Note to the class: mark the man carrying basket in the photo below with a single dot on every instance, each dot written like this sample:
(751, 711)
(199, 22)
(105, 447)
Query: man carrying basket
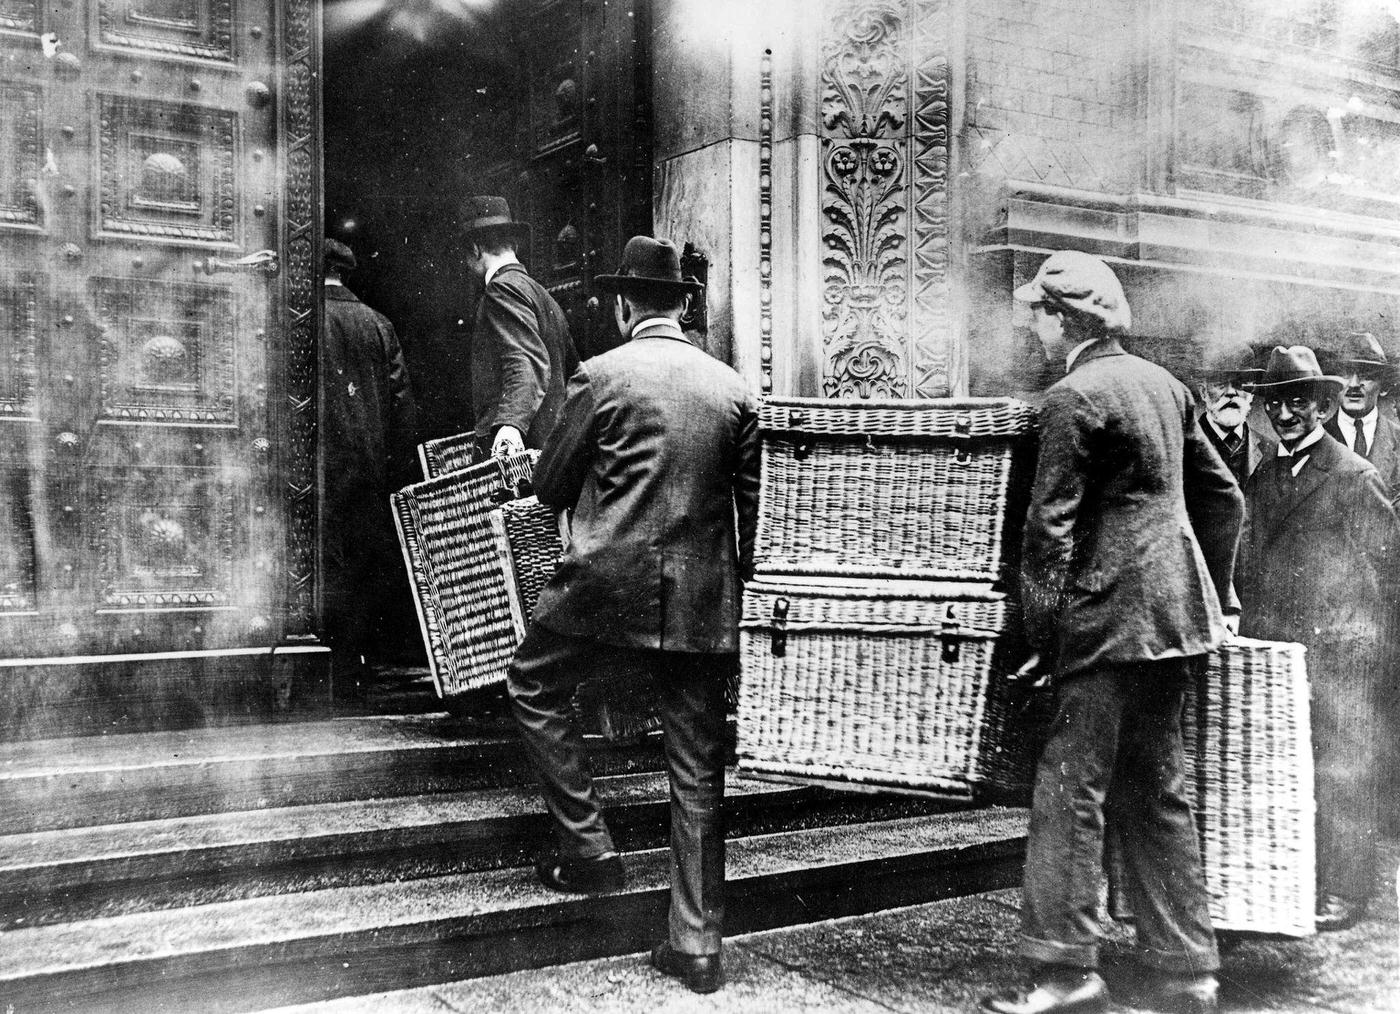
(1129, 545)
(656, 453)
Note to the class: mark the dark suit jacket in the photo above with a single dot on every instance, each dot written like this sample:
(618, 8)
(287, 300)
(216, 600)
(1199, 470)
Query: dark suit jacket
(1384, 452)
(1255, 449)
(1131, 534)
(522, 356)
(657, 454)
(1317, 558)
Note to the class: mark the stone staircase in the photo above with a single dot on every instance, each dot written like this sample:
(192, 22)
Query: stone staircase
(242, 868)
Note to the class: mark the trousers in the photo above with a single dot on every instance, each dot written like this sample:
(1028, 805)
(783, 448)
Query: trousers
(548, 667)
(1114, 759)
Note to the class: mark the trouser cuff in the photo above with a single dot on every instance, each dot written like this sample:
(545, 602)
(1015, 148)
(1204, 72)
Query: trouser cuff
(1180, 962)
(1052, 952)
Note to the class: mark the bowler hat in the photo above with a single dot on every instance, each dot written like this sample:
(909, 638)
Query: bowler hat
(649, 265)
(1295, 366)
(488, 215)
(1082, 284)
(1225, 359)
(1360, 349)
(336, 254)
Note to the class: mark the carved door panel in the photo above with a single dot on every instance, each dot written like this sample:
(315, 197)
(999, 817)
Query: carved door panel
(157, 249)
(582, 176)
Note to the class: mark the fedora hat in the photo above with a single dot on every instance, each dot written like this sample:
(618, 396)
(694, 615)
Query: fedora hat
(1082, 284)
(482, 215)
(1295, 366)
(1359, 349)
(648, 265)
(1225, 359)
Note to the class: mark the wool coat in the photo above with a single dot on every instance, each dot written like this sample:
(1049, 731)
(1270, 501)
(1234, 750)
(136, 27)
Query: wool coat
(522, 356)
(1317, 566)
(1384, 451)
(656, 452)
(1132, 528)
(1256, 448)
(368, 435)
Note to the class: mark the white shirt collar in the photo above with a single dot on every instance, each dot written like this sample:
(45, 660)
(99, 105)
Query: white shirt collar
(334, 281)
(492, 273)
(1223, 433)
(1347, 425)
(1074, 353)
(1302, 445)
(659, 323)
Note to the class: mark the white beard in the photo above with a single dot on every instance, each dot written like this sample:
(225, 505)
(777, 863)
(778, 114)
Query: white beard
(1228, 417)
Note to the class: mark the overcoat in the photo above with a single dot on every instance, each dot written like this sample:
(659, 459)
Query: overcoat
(522, 356)
(1384, 451)
(369, 434)
(1317, 566)
(1256, 448)
(656, 452)
(1132, 528)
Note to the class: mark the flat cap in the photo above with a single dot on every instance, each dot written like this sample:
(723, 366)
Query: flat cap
(1082, 284)
(336, 254)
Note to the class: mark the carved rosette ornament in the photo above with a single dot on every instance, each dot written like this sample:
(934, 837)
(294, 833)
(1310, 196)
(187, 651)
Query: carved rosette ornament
(884, 212)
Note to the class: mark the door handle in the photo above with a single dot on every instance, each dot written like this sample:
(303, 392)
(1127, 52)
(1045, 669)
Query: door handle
(265, 261)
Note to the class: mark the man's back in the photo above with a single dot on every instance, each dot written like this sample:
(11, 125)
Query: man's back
(1133, 524)
(657, 446)
(521, 357)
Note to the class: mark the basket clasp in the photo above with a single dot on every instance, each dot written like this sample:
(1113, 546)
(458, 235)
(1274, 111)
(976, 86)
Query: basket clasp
(950, 635)
(777, 643)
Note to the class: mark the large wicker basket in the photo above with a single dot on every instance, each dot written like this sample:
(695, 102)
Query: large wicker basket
(902, 489)
(449, 454)
(457, 571)
(896, 685)
(1249, 766)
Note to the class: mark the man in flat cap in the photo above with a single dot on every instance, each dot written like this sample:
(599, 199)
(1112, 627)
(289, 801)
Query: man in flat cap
(656, 453)
(1226, 399)
(1317, 566)
(1128, 548)
(521, 350)
(367, 438)
(1360, 425)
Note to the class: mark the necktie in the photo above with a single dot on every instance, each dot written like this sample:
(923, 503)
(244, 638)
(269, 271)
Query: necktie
(1232, 442)
(1359, 444)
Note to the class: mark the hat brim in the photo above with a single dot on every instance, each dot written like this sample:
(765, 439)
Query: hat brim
(1369, 364)
(1336, 383)
(638, 283)
(1031, 292)
(1248, 374)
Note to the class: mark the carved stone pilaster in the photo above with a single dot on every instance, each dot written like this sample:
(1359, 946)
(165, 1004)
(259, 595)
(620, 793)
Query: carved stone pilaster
(300, 46)
(885, 147)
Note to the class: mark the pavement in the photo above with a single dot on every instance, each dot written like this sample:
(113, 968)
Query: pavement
(926, 958)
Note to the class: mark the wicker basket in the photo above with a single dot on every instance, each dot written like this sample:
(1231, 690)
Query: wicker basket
(883, 684)
(452, 454)
(457, 571)
(903, 489)
(1249, 769)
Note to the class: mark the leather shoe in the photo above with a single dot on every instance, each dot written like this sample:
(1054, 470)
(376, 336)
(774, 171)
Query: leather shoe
(1072, 991)
(1337, 913)
(1181, 994)
(701, 973)
(581, 876)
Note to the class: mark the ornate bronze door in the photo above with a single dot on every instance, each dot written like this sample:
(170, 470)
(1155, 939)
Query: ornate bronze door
(159, 238)
(581, 172)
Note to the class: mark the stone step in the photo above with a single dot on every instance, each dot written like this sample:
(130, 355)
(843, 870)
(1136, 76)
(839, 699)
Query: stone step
(74, 873)
(64, 783)
(254, 953)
